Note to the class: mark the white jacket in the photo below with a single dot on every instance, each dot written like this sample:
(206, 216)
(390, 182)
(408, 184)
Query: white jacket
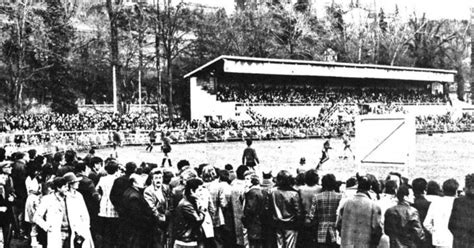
(437, 220)
(50, 214)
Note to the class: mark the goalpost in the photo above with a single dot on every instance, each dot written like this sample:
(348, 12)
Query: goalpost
(385, 141)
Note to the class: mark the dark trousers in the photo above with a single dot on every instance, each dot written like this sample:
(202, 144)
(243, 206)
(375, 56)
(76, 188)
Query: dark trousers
(255, 243)
(7, 233)
(110, 232)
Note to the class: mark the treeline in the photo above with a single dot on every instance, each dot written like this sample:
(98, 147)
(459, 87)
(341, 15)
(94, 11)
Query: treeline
(56, 52)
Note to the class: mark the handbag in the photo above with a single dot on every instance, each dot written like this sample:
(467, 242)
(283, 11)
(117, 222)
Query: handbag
(78, 240)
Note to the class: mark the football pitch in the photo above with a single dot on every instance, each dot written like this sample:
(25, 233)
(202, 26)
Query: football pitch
(438, 157)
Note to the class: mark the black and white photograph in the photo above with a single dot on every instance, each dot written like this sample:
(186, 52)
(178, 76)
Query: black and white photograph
(237, 123)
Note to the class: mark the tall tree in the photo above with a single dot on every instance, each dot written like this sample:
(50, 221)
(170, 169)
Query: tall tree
(21, 33)
(60, 35)
(176, 22)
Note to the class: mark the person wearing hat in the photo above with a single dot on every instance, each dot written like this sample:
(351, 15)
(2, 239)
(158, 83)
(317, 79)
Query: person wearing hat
(78, 214)
(53, 214)
(7, 196)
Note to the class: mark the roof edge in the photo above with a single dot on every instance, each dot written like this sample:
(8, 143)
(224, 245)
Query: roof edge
(274, 60)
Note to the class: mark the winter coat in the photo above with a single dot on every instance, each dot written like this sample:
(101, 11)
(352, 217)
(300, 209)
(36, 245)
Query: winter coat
(403, 226)
(287, 210)
(253, 211)
(461, 222)
(50, 214)
(360, 222)
(188, 220)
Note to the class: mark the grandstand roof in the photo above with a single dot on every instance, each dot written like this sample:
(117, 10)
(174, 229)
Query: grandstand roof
(285, 67)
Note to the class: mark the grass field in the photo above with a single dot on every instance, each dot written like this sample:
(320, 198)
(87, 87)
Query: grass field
(438, 157)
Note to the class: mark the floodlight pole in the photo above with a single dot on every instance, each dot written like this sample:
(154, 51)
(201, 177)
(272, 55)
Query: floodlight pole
(114, 80)
(140, 90)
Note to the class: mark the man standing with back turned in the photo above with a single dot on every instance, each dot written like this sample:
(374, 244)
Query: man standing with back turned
(249, 158)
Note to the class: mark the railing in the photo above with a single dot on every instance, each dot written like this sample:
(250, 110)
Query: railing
(240, 104)
(50, 142)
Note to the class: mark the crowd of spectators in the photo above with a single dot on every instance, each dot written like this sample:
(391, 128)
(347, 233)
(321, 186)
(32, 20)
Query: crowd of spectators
(68, 201)
(258, 127)
(274, 94)
(78, 122)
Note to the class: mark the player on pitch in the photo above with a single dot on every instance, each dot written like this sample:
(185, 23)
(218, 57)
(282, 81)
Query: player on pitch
(165, 147)
(152, 136)
(249, 158)
(325, 153)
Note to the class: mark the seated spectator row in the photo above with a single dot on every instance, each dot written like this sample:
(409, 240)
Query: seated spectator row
(251, 93)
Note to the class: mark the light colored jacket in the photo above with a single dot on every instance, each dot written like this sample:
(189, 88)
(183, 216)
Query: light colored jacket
(50, 214)
(360, 221)
(437, 220)
(156, 200)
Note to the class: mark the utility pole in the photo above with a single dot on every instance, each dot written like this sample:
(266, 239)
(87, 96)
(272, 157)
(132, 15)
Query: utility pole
(114, 79)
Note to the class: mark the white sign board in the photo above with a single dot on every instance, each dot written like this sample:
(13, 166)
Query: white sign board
(385, 140)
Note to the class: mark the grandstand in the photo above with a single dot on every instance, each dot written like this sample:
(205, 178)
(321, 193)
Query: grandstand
(241, 88)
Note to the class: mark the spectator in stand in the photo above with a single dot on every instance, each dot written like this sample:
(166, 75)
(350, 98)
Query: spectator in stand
(461, 222)
(437, 219)
(236, 202)
(287, 212)
(107, 213)
(360, 219)
(253, 210)
(189, 218)
(138, 220)
(324, 212)
(249, 158)
(306, 237)
(402, 223)
(422, 205)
